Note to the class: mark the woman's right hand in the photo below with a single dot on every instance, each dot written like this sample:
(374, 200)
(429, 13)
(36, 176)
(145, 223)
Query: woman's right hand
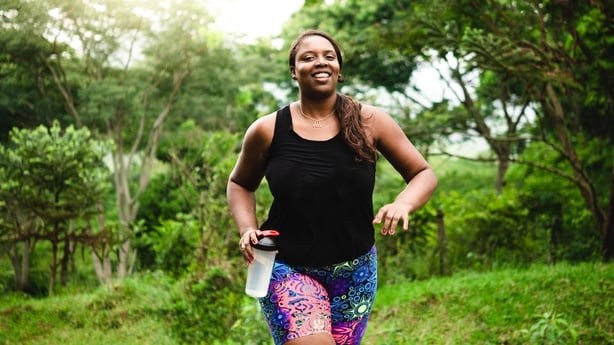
(250, 237)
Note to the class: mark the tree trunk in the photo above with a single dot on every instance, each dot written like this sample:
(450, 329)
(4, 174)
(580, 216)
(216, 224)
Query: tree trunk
(607, 248)
(21, 268)
(103, 268)
(64, 263)
(554, 109)
(127, 201)
(555, 229)
(124, 268)
(500, 148)
(443, 242)
(24, 279)
(101, 251)
(53, 266)
(502, 167)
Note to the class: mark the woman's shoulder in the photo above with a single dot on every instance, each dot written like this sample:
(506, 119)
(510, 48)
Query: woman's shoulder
(368, 110)
(264, 121)
(377, 121)
(373, 115)
(262, 129)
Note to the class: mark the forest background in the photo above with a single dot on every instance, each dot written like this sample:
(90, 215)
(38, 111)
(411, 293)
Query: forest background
(120, 122)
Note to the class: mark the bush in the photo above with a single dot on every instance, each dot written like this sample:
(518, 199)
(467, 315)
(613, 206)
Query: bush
(208, 310)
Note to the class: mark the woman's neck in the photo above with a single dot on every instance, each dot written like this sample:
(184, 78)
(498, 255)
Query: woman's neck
(317, 108)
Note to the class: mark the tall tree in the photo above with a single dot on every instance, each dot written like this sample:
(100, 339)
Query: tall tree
(560, 53)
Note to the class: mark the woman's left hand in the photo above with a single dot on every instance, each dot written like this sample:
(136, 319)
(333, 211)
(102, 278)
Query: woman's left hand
(391, 214)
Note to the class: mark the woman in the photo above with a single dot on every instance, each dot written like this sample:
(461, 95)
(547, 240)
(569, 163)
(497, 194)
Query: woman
(318, 155)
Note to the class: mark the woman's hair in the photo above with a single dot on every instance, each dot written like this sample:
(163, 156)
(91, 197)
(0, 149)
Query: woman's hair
(297, 42)
(346, 108)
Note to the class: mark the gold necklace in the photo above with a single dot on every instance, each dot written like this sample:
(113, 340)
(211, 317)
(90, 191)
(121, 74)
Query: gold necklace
(317, 123)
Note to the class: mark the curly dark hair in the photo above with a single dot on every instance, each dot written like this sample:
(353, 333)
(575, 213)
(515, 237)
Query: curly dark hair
(346, 108)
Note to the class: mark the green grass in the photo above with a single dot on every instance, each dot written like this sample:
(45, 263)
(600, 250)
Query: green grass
(563, 304)
(499, 308)
(127, 313)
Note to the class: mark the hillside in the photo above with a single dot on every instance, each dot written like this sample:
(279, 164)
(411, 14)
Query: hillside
(564, 304)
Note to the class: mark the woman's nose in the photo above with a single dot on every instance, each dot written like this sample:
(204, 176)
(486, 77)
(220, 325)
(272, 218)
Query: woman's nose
(322, 61)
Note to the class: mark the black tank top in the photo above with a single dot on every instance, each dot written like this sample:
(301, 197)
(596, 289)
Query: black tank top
(322, 197)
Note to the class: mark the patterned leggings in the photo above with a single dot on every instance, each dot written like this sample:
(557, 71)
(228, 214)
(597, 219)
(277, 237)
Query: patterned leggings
(335, 299)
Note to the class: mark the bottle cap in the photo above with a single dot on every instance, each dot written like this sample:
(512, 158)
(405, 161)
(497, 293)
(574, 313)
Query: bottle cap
(265, 242)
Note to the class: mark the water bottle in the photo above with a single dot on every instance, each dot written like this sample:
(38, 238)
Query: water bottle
(259, 271)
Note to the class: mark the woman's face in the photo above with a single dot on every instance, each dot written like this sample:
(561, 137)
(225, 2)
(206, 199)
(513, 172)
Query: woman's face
(316, 66)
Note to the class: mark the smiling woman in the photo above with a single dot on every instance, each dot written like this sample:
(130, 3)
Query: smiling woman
(253, 18)
(318, 156)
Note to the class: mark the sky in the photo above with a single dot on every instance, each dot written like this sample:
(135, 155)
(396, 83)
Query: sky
(253, 18)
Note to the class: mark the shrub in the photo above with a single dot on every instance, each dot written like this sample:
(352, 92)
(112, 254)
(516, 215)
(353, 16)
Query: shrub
(208, 310)
(551, 329)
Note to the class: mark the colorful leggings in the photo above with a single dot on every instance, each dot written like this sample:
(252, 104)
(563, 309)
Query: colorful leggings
(335, 299)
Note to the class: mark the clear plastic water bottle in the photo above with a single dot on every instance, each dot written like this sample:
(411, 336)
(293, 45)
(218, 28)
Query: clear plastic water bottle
(259, 271)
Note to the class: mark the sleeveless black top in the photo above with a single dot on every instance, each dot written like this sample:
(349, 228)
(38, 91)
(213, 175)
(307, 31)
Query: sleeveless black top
(322, 204)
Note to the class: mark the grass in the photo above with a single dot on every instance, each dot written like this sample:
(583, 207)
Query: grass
(564, 304)
(499, 308)
(128, 313)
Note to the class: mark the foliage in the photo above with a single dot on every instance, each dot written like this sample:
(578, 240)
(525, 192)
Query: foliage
(250, 328)
(462, 176)
(174, 244)
(556, 207)
(210, 300)
(50, 178)
(188, 201)
(124, 70)
(551, 328)
(22, 74)
(402, 256)
(57, 174)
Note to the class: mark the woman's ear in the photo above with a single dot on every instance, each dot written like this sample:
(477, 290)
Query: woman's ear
(292, 73)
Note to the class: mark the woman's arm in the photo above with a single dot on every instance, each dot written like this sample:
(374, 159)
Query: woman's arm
(245, 179)
(392, 142)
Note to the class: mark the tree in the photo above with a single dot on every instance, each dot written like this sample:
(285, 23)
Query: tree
(56, 177)
(557, 53)
(27, 95)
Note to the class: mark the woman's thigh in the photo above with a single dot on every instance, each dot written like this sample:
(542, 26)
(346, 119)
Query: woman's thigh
(296, 306)
(334, 300)
(351, 288)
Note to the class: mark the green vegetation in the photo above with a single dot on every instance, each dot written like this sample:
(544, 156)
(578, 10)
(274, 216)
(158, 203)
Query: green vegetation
(501, 307)
(562, 304)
